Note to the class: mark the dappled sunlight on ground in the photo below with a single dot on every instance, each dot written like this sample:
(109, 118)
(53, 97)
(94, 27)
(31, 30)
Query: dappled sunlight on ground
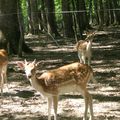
(22, 102)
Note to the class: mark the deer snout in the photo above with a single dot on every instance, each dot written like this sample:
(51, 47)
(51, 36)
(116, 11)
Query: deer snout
(29, 75)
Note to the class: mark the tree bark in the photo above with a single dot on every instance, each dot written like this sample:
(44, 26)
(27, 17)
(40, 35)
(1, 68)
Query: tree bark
(33, 16)
(90, 12)
(52, 25)
(83, 21)
(96, 9)
(10, 27)
(100, 14)
(116, 13)
(67, 19)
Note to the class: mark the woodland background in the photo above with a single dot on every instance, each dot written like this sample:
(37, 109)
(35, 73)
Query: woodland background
(55, 18)
(47, 30)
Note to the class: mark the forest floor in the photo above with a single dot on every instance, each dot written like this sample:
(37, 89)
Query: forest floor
(21, 102)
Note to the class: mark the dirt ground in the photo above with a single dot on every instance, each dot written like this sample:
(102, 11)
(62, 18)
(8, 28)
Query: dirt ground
(21, 102)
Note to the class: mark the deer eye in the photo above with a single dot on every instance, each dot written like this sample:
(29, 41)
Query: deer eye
(27, 63)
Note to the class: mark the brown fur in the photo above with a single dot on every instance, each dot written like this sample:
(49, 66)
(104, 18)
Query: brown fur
(69, 78)
(3, 68)
(83, 48)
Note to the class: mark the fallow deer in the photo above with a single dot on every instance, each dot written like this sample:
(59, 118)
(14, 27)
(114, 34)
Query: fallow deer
(3, 68)
(69, 78)
(84, 49)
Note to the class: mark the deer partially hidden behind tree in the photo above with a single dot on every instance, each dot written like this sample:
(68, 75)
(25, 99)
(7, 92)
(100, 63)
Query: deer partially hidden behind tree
(84, 48)
(52, 83)
(3, 68)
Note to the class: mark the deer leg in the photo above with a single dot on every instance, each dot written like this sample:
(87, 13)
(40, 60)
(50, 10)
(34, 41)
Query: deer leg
(2, 83)
(83, 59)
(79, 56)
(88, 103)
(5, 74)
(49, 107)
(86, 108)
(55, 106)
(91, 108)
(89, 60)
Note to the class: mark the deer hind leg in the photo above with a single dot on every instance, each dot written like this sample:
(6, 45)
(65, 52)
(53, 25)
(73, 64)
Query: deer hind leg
(88, 104)
(5, 74)
(83, 59)
(1, 81)
(49, 107)
(55, 106)
(80, 57)
(91, 108)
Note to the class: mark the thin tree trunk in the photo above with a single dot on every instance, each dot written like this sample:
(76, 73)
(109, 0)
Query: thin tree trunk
(67, 19)
(95, 9)
(90, 12)
(20, 20)
(83, 21)
(106, 13)
(100, 14)
(116, 13)
(52, 25)
(33, 16)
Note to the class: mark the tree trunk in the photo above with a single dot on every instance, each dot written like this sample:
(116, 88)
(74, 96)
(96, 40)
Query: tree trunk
(90, 12)
(9, 25)
(116, 13)
(106, 13)
(100, 14)
(52, 25)
(67, 19)
(82, 18)
(33, 16)
(96, 13)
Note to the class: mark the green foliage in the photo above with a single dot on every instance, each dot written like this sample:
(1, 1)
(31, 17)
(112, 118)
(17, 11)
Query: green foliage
(58, 10)
(24, 12)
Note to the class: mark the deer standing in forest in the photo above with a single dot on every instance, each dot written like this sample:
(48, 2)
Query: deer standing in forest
(84, 49)
(69, 78)
(3, 68)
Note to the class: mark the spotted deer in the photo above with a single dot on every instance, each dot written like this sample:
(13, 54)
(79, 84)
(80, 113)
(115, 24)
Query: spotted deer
(3, 68)
(69, 78)
(84, 49)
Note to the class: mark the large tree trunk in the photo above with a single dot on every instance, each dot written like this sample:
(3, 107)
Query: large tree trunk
(67, 19)
(9, 25)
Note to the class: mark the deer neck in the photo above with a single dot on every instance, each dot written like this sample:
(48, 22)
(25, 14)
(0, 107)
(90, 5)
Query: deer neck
(37, 86)
(89, 44)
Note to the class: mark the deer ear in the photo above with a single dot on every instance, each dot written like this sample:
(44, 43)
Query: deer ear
(25, 61)
(21, 64)
(34, 61)
(37, 63)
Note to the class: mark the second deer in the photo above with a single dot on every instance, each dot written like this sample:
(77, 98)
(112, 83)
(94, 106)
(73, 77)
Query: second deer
(69, 78)
(84, 49)
(3, 68)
